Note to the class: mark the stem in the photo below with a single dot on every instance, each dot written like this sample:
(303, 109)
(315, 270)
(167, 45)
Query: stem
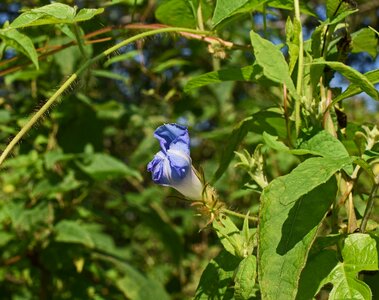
(74, 76)
(264, 21)
(370, 205)
(351, 217)
(200, 21)
(79, 40)
(36, 116)
(238, 215)
(300, 70)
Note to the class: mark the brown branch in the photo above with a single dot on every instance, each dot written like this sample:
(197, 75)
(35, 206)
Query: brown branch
(49, 50)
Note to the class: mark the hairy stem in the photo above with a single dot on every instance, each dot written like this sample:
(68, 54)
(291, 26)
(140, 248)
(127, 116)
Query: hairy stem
(238, 215)
(74, 76)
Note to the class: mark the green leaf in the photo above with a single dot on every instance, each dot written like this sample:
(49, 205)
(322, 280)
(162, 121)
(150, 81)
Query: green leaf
(359, 253)
(354, 89)
(229, 235)
(135, 286)
(292, 208)
(21, 43)
(111, 75)
(5, 237)
(285, 4)
(103, 166)
(364, 40)
(217, 277)
(292, 40)
(163, 230)
(54, 156)
(225, 9)
(353, 75)
(265, 120)
(72, 232)
(342, 16)
(51, 189)
(179, 13)
(249, 73)
(86, 14)
(102, 241)
(27, 219)
(335, 8)
(272, 61)
(245, 278)
(325, 145)
(318, 267)
(170, 63)
(136, 289)
(272, 142)
(55, 13)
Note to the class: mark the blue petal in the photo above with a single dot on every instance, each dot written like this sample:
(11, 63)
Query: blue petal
(170, 167)
(159, 168)
(180, 144)
(180, 164)
(172, 133)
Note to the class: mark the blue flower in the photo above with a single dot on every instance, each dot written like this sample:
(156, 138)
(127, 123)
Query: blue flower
(172, 165)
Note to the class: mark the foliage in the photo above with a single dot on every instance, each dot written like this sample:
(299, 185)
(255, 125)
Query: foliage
(288, 147)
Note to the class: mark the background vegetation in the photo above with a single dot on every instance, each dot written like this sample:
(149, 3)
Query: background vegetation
(80, 216)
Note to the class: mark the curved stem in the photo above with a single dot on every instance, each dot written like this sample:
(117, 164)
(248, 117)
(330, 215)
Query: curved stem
(238, 215)
(74, 76)
(370, 205)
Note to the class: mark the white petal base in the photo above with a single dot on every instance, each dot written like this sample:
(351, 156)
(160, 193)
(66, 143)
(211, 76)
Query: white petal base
(190, 186)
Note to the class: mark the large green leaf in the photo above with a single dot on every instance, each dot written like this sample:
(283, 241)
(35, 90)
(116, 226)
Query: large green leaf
(180, 13)
(217, 277)
(55, 13)
(272, 61)
(364, 40)
(225, 9)
(353, 75)
(20, 42)
(354, 89)
(317, 268)
(360, 253)
(326, 145)
(274, 143)
(265, 120)
(292, 208)
(249, 73)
